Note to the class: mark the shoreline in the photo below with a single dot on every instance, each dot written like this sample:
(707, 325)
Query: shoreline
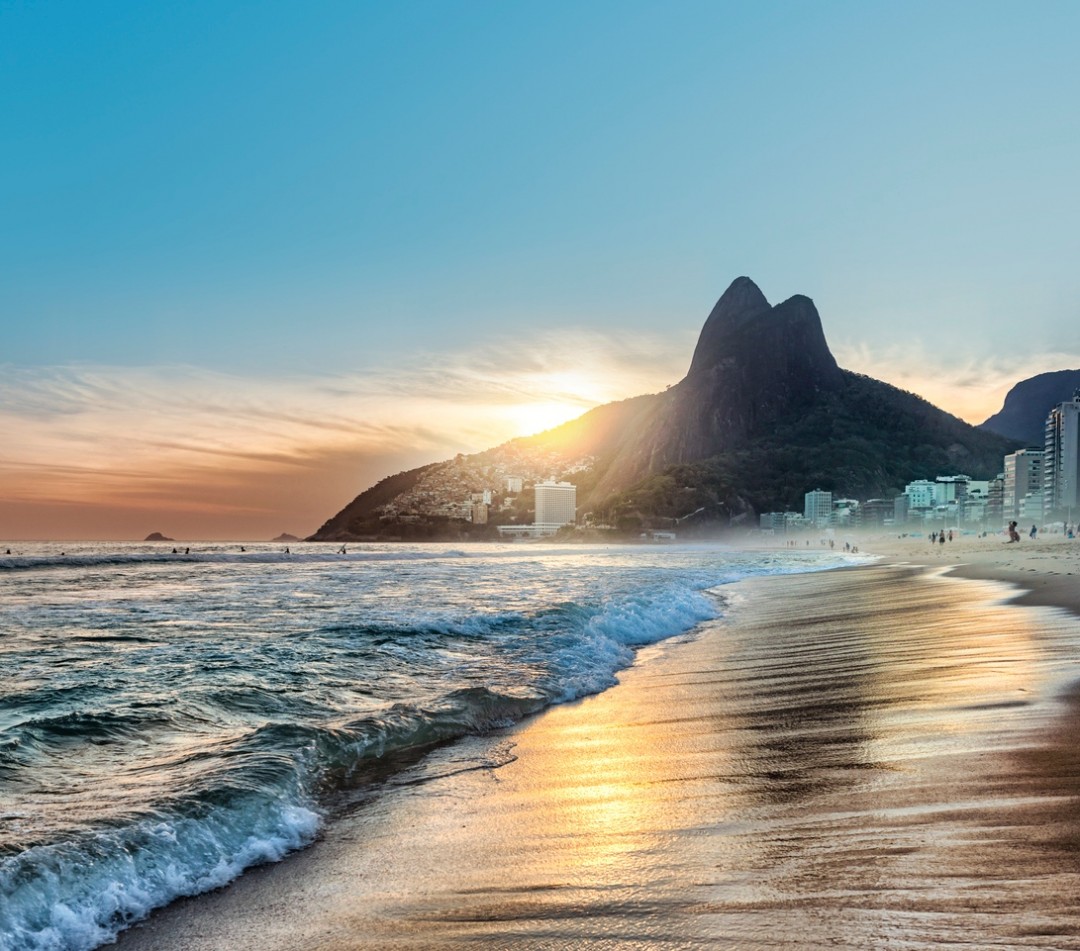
(1046, 570)
(766, 782)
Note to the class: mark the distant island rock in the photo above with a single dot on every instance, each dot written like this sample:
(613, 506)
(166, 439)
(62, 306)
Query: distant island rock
(158, 537)
(1023, 415)
(285, 537)
(763, 415)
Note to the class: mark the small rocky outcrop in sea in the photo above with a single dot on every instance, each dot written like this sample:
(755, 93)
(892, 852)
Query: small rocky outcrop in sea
(285, 537)
(158, 537)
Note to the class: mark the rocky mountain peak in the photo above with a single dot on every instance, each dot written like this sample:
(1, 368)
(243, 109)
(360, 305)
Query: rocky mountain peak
(1023, 415)
(745, 330)
(763, 414)
(738, 306)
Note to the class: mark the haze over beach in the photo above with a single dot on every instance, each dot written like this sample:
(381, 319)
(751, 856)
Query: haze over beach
(255, 260)
(539, 476)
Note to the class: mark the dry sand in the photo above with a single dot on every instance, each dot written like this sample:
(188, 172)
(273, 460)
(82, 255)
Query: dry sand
(881, 757)
(1048, 569)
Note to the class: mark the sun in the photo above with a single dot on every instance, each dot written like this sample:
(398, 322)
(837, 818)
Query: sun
(553, 397)
(531, 418)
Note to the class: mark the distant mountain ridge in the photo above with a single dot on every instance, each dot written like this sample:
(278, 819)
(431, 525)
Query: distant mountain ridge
(1023, 414)
(763, 415)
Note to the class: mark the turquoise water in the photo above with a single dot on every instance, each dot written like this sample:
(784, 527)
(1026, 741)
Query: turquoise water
(168, 720)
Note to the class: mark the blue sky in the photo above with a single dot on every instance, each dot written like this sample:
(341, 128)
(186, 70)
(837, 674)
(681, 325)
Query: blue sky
(253, 193)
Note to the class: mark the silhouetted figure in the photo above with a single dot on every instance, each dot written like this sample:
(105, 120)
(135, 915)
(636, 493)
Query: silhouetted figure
(1034, 531)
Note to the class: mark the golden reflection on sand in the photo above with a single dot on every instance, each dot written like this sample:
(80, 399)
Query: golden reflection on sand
(864, 759)
(607, 808)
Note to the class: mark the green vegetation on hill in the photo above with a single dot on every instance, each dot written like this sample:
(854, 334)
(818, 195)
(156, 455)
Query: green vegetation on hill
(359, 517)
(865, 440)
(764, 416)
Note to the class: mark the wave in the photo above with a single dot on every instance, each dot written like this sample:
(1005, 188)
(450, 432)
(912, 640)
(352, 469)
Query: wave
(80, 893)
(77, 895)
(265, 793)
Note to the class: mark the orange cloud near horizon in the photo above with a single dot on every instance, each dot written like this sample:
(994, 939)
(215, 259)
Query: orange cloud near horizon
(116, 453)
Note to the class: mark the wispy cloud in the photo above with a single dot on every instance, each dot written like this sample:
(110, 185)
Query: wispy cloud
(228, 454)
(188, 439)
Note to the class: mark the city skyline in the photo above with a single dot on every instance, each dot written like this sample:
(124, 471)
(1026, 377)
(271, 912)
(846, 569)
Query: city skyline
(258, 258)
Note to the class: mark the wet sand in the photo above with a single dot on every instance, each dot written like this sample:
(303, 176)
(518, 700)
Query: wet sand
(882, 757)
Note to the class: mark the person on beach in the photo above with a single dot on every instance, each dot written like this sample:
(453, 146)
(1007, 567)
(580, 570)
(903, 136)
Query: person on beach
(1014, 535)
(1034, 531)
(941, 537)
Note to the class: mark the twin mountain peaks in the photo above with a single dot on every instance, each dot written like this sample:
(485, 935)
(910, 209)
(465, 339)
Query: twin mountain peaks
(763, 415)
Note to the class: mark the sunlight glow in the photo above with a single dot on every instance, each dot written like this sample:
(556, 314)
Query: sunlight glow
(175, 445)
(532, 418)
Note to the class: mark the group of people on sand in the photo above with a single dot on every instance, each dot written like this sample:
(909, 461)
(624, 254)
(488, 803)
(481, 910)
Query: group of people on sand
(1014, 535)
(939, 538)
(1069, 530)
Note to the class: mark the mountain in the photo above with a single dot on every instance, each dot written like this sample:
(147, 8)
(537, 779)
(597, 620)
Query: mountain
(763, 415)
(1023, 415)
(754, 367)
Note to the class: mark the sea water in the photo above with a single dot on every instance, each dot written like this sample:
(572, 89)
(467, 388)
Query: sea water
(170, 719)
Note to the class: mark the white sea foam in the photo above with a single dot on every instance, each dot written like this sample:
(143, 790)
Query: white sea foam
(78, 895)
(282, 674)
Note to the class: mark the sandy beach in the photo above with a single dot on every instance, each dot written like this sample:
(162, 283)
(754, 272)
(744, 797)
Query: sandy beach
(876, 757)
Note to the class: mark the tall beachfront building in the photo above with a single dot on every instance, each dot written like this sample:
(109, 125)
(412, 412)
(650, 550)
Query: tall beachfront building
(1061, 461)
(921, 495)
(817, 507)
(556, 506)
(1023, 477)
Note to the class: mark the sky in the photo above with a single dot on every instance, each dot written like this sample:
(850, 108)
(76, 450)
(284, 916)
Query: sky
(256, 256)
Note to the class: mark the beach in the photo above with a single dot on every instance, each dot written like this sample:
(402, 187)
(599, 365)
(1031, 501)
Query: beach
(879, 756)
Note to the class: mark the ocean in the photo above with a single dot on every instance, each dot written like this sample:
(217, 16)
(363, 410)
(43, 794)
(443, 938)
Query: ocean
(169, 720)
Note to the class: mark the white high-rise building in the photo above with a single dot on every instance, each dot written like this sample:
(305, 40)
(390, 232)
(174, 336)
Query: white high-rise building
(950, 488)
(817, 507)
(1061, 461)
(1023, 475)
(921, 494)
(556, 506)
